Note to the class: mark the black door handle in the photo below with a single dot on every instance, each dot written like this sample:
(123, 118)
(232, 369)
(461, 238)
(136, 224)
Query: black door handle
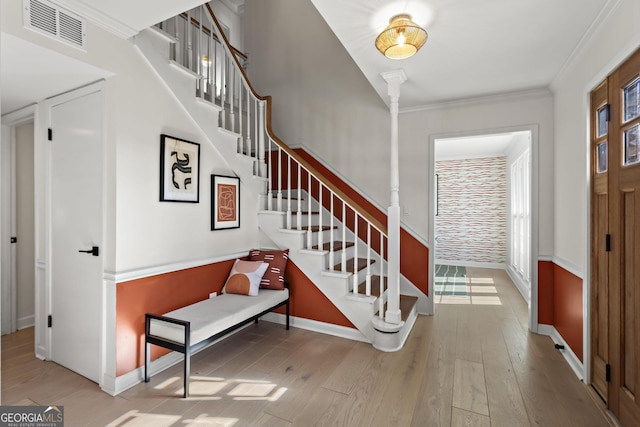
(95, 251)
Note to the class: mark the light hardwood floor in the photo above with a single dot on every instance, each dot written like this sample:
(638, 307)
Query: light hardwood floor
(472, 364)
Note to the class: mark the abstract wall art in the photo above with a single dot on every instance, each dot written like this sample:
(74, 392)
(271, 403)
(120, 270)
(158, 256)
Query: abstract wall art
(179, 170)
(225, 202)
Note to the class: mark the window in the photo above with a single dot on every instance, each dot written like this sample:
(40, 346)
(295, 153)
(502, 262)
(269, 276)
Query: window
(520, 215)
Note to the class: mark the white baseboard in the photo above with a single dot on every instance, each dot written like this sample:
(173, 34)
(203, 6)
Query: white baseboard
(520, 283)
(315, 326)
(568, 354)
(26, 322)
(494, 265)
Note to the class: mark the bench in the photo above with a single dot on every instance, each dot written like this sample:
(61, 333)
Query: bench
(195, 326)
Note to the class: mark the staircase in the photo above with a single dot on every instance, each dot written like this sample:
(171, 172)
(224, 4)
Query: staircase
(333, 241)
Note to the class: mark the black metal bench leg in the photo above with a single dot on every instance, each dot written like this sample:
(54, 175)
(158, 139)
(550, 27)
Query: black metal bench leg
(147, 358)
(287, 310)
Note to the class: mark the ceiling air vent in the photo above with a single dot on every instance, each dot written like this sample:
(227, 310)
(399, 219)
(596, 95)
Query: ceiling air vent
(52, 20)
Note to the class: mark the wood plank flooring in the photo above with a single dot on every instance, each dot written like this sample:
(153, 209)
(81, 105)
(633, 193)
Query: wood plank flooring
(472, 364)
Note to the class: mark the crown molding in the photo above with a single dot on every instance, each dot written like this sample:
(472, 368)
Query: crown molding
(534, 93)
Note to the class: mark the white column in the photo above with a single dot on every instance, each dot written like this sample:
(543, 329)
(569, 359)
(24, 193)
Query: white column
(394, 79)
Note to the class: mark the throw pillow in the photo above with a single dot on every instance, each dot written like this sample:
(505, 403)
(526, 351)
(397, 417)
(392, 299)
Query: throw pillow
(274, 277)
(244, 278)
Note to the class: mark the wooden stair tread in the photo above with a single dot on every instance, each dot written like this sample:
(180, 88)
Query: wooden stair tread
(406, 304)
(317, 228)
(307, 213)
(337, 245)
(375, 286)
(362, 263)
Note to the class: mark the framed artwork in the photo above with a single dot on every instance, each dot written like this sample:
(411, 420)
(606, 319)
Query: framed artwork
(179, 170)
(225, 202)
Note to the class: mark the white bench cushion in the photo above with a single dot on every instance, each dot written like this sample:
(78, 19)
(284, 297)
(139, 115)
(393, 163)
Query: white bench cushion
(214, 315)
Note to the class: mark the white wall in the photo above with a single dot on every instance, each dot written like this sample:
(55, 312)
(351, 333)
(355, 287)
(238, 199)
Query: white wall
(616, 38)
(321, 99)
(231, 20)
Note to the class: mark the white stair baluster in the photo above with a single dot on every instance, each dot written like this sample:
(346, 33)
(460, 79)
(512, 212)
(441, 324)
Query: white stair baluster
(299, 213)
(331, 248)
(232, 85)
(240, 129)
(279, 204)
(270, 180)
(176, 45)
(344, 237)
(249, 94)
(320, 236)
(289, 194)
(189, 42)
(223, 86)
(380, 298)
(368, 282)
(261, 127)
(355, 264)
(310, 234)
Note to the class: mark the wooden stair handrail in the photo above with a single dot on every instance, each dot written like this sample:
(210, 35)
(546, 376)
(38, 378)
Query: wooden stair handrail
(291, 153)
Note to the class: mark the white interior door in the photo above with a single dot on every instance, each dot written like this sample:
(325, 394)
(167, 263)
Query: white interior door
(76, 225)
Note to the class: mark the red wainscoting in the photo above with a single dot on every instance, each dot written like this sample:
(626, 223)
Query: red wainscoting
(414, 256)
(166, 292)
(560, 303)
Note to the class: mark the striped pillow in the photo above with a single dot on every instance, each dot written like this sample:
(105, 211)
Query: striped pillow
(277, 260)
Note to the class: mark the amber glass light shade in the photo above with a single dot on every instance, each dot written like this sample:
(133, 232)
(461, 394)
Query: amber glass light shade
(401, 39)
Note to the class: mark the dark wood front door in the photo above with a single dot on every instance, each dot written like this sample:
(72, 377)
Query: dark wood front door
(616, 273)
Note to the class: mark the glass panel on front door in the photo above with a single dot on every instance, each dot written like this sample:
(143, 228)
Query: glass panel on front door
(632, 100)
(631, 142)
(603, 121)
(603, 157)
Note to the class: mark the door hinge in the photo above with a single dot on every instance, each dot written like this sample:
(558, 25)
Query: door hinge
(50, 134)
(608, 373)
(607, 243)
(49, 321)
(14, 240)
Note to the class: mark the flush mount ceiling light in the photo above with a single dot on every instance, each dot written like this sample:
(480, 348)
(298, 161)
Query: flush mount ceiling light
(402, 38)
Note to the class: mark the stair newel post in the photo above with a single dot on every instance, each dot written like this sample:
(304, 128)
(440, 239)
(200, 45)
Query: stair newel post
(270, 180)
(279, 200)
(299, 213)
(260, 133)
(355, 264)
(368, 280)
(394, 79)
(289, 194)
(310, 233)
(343, 259)
(320, 236)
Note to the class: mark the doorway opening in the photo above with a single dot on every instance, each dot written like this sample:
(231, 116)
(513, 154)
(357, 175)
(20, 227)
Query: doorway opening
(484, 212)
(18, 221)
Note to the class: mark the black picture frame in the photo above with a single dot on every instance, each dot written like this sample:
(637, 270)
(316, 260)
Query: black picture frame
(179, 170)
(225, 202)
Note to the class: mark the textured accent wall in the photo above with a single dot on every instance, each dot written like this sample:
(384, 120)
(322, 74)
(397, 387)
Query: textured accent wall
(471, 224)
